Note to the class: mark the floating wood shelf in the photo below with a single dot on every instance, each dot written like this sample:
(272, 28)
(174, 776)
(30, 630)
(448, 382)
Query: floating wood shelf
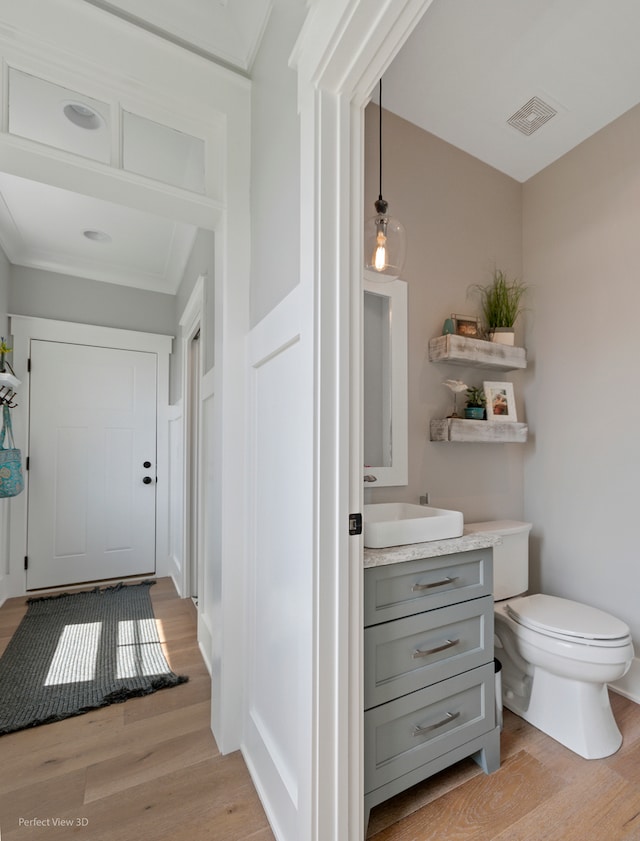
(460, 350)
(482, 432)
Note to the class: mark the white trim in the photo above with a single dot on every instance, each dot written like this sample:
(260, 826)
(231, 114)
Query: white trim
(175, 525)
(24, 329)
(190, 322)
(343, 49)
(398, 472)
(72, 332)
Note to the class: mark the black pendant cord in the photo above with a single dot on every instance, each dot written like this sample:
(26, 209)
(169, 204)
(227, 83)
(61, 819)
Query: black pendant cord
(380, 140)
(381, 205)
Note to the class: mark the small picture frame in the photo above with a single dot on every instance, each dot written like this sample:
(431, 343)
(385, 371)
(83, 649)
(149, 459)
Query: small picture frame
(466, 325)
(501, 405)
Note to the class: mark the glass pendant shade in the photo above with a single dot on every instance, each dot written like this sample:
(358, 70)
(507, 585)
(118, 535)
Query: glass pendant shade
(385, 241)
(385, 244)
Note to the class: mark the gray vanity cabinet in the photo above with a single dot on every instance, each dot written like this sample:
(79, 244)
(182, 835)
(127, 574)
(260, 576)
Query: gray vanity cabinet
(429, 681)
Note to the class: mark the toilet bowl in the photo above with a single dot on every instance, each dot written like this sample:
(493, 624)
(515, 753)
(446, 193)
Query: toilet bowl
(555, 674)
(557, 655)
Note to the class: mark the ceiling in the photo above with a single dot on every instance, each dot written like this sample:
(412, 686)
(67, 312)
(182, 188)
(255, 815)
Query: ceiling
(226, 31)
(466, 69)
(469, 66)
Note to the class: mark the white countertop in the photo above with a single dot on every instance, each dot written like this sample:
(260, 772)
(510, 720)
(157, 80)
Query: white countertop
(432, 549)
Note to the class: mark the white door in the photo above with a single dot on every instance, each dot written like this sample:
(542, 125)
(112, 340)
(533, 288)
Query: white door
(92, 471)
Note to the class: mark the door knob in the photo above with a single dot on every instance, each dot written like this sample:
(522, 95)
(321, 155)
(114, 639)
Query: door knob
(147, 480)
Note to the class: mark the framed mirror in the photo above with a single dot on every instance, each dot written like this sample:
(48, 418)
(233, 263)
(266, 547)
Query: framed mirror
(385, 383)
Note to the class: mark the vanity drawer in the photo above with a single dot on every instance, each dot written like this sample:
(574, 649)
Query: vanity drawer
(406, 733)
(396, 590)
(414, 652)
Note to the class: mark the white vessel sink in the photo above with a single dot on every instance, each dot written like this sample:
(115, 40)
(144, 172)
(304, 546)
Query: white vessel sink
(399, 523)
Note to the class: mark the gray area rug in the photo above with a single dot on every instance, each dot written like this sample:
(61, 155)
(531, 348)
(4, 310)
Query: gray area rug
(76, 652)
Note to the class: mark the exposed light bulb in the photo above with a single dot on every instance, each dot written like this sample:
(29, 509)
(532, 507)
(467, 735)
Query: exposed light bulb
(380, 257)
(384, 237)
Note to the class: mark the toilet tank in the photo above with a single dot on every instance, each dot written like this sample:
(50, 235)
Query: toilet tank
(510, 558)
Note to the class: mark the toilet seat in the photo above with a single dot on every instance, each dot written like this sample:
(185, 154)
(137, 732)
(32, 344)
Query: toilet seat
(567, 620)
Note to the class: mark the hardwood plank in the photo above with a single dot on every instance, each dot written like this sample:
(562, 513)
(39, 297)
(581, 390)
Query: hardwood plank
(67, 746)
(482, 807)
(598, 805)
(132, 767)
(44, 798)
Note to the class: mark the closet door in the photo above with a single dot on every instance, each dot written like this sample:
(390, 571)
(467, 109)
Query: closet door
(92, 476)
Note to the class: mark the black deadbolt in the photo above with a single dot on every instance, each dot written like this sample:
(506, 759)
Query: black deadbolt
(146, 464)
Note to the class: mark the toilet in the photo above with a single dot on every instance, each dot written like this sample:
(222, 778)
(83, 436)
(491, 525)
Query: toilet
(557, 655)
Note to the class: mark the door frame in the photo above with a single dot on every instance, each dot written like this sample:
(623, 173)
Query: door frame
(191, 321)
(24, 329)
(343, 49)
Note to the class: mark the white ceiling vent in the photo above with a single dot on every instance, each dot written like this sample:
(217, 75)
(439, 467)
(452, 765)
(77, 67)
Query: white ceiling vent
(532, 115)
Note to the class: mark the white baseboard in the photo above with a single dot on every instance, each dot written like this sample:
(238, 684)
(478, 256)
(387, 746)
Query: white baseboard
(629, 685)
(205, 642)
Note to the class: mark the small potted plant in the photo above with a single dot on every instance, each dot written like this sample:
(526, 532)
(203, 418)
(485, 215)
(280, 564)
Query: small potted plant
(501, 305)
(476, 402)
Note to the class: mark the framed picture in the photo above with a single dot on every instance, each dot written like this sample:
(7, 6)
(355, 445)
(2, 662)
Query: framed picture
(501, 405)
(466, 325)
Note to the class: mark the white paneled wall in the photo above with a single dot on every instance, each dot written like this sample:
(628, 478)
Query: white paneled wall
(278, 679)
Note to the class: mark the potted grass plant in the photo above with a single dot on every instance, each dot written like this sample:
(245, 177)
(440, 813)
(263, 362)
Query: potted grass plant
(475, 405)
(501, 302)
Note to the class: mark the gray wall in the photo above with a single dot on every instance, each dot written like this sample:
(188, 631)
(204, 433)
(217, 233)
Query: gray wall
(461, 218)
(201, 262)
(43, 294)
(275, 165)
(582, 252)
(4, 294)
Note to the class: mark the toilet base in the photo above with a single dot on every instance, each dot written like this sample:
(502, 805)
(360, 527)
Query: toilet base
(575, 713)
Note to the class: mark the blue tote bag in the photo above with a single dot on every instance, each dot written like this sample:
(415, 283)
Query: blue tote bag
(11, 481)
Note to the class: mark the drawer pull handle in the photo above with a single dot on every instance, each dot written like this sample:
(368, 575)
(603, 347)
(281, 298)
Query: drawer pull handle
(448, 580)
(420, 653)
(420, 731)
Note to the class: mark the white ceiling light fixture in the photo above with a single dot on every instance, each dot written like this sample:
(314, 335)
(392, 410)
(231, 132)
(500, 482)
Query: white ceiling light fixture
(97, 236)
(385, 240)
(82, 115)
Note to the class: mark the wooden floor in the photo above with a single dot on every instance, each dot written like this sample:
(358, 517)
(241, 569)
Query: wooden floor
(149, 770)
(542, 792)
(145, 770)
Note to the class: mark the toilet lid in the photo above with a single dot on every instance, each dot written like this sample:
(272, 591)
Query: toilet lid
(571, 619)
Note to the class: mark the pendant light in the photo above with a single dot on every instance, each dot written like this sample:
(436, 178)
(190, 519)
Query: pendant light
(384, 237)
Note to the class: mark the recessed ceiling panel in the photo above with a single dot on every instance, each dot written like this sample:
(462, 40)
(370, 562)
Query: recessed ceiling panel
(162, 153)
(59, 117)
